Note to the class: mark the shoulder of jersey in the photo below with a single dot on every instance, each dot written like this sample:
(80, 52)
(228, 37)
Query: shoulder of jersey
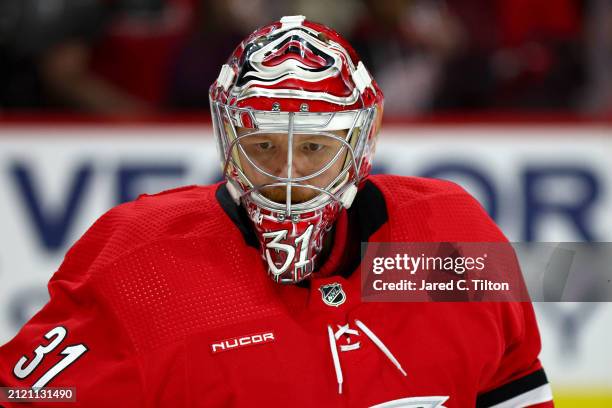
(180, 212)
(422, 209)
(402, 190)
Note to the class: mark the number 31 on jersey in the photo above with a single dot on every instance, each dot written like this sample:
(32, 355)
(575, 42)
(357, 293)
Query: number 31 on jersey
(26, 366)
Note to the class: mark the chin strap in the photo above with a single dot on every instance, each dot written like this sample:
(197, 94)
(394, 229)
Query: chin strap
(233, 191)
(349, 196)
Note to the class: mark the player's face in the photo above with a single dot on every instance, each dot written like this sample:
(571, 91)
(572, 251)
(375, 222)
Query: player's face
(310, 154)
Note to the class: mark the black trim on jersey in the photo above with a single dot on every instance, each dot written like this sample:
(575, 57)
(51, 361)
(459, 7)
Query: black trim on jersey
(370, 209)
(367, 214)
(238, 215)
(512, 389)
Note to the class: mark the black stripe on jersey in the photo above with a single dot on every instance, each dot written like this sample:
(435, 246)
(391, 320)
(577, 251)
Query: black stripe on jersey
(370, 209)
(367, 214)
(512, 389)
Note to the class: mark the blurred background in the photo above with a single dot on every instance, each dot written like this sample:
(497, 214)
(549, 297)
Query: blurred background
(102, 100)
(135, 57)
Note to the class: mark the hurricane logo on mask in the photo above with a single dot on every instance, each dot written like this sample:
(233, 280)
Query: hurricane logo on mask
(291, 57)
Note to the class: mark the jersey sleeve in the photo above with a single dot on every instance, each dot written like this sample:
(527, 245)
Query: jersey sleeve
(75, 340)
(519, 379)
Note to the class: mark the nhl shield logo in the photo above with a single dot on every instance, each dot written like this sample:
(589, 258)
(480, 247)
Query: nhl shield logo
(332, 294)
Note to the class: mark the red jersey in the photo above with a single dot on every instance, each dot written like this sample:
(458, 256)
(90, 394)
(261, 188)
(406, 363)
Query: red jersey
(165, 302)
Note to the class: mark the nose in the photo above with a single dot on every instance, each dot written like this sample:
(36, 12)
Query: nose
(281, 166)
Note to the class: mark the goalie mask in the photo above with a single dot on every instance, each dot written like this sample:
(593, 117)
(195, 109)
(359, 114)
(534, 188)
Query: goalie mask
(295, 115)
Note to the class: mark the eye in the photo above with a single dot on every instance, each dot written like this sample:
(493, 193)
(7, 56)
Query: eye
(312, 147)
(265, 146)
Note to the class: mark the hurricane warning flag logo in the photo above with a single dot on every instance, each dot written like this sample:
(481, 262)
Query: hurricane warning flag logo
(332, 294)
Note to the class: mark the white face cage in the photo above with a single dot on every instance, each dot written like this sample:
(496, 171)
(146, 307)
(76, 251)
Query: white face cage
(251, 172)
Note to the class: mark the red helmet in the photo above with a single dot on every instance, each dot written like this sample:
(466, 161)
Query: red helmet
(294, 112)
